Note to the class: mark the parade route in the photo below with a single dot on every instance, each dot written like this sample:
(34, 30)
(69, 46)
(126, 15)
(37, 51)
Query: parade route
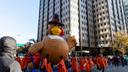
(112, 68)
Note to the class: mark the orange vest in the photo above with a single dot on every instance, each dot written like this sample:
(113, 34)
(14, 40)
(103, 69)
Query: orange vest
(61, 66)
(37, 58)
(74, 64)
(82, 62)
(47, 65)
(49, 68)
(102, 62)
(25, 62)
(44, 65)
(89, 65)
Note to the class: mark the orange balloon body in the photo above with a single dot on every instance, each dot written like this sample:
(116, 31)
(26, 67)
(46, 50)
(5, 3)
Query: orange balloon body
(55, 48)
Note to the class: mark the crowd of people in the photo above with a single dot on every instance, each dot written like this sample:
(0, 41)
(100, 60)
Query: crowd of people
(71, 64)
(118, 60)
(31, 63)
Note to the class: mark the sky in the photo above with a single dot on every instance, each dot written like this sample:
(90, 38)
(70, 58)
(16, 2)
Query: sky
(19, 19)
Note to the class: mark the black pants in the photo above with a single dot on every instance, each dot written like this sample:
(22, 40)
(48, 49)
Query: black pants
(99, 68)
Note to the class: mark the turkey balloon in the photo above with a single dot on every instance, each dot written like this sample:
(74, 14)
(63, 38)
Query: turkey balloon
(53, 43)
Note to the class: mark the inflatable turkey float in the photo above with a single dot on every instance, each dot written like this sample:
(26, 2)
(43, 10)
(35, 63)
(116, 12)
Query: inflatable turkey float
(54, 44)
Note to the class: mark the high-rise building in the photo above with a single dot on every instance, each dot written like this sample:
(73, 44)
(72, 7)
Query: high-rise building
(93, 22)
(108, 19)
(76, 15)
(126, 12)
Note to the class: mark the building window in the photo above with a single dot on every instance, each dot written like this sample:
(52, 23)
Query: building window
(102, 2)
(99, 32)
(106, 42)
(92, 1)
(100, 14)
(104, 23)
(99, 3)
(100, 19)
(97, 20)
(105, 29)
(96, 32)
(103, 7)
(100, 8)
(102, 30)
(103, 12)
(98, 25)
(97, 15)
(104, 18)
(105, 35)
(97, 10)
(102, 42)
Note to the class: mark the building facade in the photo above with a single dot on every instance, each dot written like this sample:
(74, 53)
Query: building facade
(108, 19)
(93, 22)
(76, 15)
(126, 12)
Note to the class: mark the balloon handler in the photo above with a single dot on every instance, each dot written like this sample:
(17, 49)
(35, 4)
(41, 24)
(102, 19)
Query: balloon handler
(54, 44)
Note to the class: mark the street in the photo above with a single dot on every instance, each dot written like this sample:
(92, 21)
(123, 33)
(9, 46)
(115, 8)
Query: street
(112, 68)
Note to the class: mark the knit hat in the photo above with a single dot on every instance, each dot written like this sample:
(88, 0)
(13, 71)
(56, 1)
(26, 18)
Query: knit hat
(7, 43)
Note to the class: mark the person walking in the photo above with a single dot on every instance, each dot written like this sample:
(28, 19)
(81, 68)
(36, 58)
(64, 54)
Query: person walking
(74, 64)
(24, 62)
(46, 66)
(102, 62)
(18, 59)
(7, 55)
(61, 65)
(82, 64)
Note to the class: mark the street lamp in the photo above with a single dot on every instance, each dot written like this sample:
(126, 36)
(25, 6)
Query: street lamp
(101, 46)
